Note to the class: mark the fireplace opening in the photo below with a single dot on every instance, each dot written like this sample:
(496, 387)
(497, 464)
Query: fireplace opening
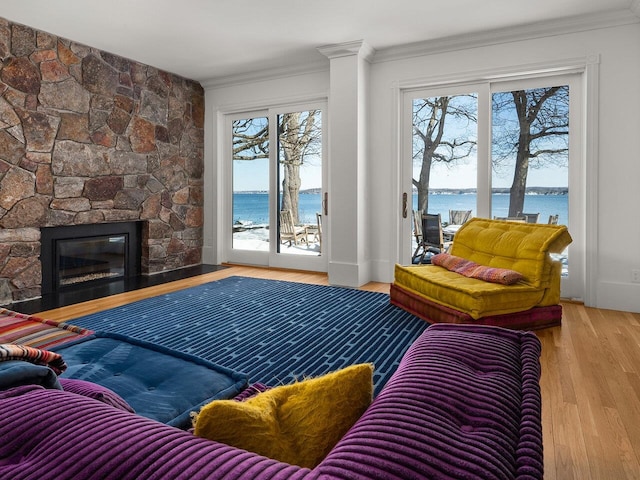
(85, 259)
(77, 254)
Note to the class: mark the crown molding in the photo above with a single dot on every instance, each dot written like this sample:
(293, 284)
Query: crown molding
(306, 68)
(453, 43)
(513, 34)
(358, 47)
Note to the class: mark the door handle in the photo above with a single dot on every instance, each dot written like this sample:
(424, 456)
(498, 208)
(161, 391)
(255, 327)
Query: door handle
(404, 205)
(325, 204)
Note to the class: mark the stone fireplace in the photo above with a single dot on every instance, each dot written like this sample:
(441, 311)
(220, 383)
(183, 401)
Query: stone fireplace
(90, 138)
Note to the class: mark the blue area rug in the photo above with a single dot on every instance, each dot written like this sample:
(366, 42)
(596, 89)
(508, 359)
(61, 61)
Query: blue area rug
(273, 331)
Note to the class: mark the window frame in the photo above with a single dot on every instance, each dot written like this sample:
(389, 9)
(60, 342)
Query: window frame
(270, 258)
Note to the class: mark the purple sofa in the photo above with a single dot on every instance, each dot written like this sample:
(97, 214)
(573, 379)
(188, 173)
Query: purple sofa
(464, 404)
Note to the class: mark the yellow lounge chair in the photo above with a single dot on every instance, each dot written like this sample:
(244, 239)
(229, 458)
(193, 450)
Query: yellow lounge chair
(438, 295)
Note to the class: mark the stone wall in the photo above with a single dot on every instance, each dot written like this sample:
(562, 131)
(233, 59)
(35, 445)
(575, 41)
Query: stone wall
(89, 137)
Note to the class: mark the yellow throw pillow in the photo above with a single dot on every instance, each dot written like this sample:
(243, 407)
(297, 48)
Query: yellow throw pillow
(297, 424)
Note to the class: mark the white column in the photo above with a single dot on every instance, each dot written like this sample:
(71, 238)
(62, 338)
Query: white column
(348, 192)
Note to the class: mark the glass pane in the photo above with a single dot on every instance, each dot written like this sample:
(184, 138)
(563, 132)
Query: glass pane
(444, 177)
(250, 214)
(300, 182)
(86, 259)
(530, 155)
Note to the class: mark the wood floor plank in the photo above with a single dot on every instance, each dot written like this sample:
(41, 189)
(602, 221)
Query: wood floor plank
(628, 460)
(593, 433)
(590, 378)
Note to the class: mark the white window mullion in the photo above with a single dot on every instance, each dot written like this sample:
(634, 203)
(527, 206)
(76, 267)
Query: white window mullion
(484, 151)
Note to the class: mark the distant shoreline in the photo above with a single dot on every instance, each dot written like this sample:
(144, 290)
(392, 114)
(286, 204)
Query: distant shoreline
(440, 191)
(528, 191)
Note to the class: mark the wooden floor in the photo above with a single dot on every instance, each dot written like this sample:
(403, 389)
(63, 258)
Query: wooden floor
(590, 379)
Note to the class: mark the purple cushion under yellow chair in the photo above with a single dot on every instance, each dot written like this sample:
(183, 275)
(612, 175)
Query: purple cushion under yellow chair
(439, 294)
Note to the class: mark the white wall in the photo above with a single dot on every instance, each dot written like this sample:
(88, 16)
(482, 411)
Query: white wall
(619, 166)
(618, 173)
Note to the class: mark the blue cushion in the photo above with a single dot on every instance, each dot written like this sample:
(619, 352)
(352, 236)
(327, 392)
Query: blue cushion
(157, 382)
(14, 373)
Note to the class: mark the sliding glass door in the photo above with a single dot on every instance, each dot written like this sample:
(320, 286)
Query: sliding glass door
(498, 150)
(276, 170)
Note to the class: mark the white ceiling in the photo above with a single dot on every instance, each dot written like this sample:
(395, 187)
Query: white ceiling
(207, 40)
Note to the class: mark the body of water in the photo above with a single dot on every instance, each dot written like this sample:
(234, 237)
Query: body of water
(545, 205)
(253, 208)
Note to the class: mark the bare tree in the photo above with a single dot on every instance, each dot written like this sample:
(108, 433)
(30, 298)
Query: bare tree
(299, 138)
(250, 139)
(531, 126)
(435, 143)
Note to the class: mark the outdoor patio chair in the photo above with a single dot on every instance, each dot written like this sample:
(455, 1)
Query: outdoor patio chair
(432, 239)
(290, 232)
(529, 217)
(553, 219)
(458, 217)
(315, 231)
(417, 231)
(319, 227)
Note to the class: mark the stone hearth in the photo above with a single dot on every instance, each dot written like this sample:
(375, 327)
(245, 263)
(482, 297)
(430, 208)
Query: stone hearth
(87, 137)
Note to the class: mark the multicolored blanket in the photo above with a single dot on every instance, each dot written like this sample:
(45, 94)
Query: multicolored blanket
(54, 361)
(473, 270)
(36, 332)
